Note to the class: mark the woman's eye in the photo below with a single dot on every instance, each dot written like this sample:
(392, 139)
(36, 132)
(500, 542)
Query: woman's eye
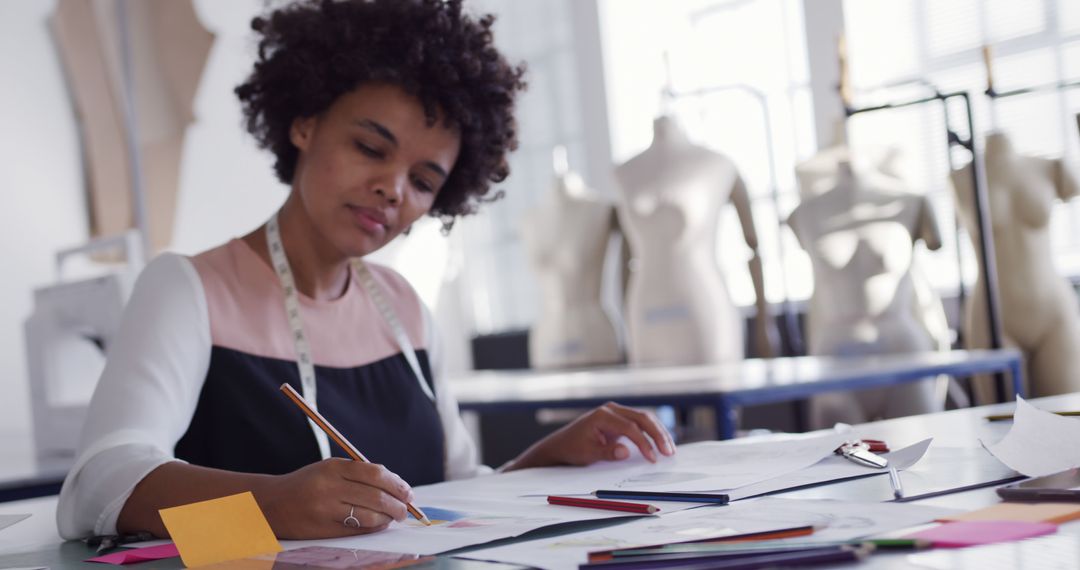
(369, 151)
(423, 185)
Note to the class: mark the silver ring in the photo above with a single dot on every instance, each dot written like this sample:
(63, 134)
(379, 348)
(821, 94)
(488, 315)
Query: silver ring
(351, 521)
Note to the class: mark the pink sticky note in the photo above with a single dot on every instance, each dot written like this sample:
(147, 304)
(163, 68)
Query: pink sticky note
(971, 533)
(135, 555)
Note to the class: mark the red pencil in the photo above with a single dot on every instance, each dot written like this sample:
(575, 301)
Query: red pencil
(602, 504)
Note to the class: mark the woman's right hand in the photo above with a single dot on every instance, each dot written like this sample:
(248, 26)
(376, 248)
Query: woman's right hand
(314, 501)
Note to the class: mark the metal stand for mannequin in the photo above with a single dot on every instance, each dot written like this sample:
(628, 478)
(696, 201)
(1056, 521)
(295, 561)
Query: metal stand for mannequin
(791, 322)
(982, 218)
(994, 94)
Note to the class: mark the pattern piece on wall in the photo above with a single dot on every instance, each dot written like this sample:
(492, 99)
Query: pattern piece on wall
(168, 49)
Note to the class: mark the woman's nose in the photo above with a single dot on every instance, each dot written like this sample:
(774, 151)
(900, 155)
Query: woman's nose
(391, 186)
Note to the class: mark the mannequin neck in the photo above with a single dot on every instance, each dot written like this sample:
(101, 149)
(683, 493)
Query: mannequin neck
(844, 172)
(998, 156)
(846, 182)
(667, 132)
(570, 186)
(998, 145)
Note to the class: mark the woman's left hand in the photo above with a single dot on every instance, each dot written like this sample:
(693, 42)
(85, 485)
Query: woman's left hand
(595, 437)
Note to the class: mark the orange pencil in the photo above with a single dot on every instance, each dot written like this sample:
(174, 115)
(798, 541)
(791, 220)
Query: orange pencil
(340, 440)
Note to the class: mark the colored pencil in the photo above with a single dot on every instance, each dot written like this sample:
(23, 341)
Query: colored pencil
(661, 496)
(769, 546)
(335, 435)
(599, 504)
(1009, 417)
(601, 555)
(740, 560)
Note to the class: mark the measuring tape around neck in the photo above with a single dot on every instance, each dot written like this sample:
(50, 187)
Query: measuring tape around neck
(304, 360)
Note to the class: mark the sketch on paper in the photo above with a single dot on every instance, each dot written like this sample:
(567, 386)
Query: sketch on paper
(643, 480)
(592, 542)
(449, 518)
(440, 516)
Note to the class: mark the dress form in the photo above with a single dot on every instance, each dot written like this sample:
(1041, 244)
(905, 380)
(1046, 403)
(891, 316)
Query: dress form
(819, 174)
(567, 238)
(860, 236)
(1039, 311)
(678, 310)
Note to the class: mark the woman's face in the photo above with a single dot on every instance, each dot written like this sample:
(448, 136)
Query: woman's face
(370, 166)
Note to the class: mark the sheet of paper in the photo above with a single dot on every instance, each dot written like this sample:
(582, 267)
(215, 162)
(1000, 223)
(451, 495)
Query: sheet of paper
(8, 520)
(464, 521)
(972, 533)
(833, 468)
(698, 467)
(839, 521)
(136, 555)
(1022, 512)
(1054, 551)
(1039, 443)
(219, 530)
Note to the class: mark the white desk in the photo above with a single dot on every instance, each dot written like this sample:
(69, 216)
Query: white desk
(38, 531)
(958, 428)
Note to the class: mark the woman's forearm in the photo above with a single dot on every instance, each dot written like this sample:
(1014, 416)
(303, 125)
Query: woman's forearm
(177, 483)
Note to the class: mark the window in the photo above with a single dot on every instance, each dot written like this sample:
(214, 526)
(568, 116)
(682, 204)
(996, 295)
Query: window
(1034, 43)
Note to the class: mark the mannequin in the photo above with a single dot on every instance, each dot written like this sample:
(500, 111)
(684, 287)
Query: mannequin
(1039, 311)
(818, 174)
(567, 238)
(678, 308)
(860, 236)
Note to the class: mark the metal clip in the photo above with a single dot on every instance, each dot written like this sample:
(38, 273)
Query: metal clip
(859, 452)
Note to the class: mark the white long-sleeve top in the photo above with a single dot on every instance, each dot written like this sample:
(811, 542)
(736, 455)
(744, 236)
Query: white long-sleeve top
(193, 371)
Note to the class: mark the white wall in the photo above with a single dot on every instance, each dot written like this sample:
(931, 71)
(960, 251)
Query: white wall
(40, 180)
(227, 185)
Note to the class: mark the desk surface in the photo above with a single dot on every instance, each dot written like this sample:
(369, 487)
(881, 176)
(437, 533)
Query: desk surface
(958, 428)
(528, 387)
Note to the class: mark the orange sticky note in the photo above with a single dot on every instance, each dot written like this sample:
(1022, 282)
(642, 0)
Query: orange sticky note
(1022, 512)
(219, 530)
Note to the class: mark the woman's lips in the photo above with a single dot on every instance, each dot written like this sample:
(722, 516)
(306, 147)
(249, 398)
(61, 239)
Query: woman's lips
(370, 219)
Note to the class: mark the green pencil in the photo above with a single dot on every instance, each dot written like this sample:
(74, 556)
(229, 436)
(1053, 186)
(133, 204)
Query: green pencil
(900, 543)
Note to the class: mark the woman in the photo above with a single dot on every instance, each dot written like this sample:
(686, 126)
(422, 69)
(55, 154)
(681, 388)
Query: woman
(378, 112)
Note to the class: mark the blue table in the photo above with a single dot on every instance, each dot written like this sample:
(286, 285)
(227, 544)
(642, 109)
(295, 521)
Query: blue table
(724, 387)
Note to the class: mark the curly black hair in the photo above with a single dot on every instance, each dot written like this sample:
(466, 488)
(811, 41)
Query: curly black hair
(313, 51)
